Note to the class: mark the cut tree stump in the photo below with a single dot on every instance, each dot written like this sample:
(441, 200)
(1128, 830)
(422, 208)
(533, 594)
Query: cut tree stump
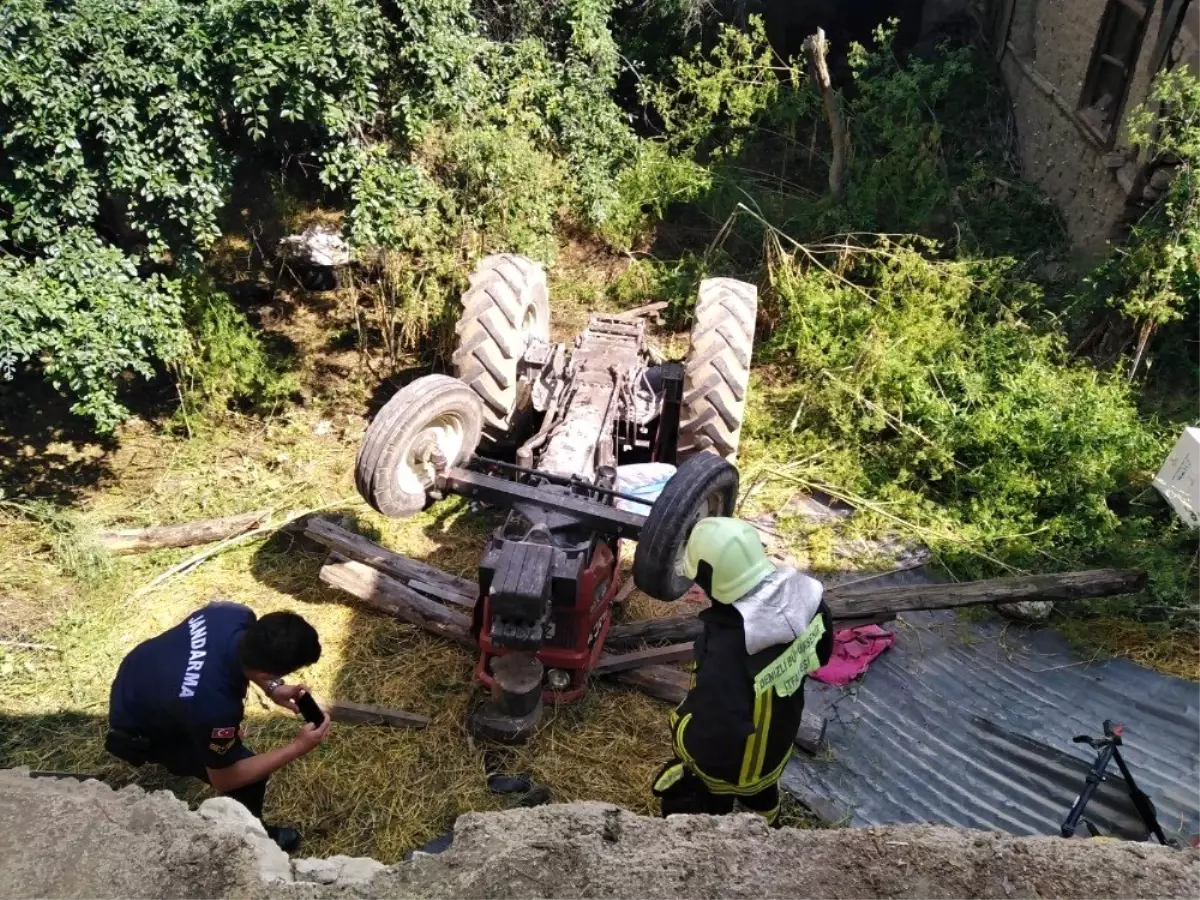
(362, 714)
(396, 599)
(451, 588)
(850, 608)
(124, 541)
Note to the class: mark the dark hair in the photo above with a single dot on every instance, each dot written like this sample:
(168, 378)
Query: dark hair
(279, 643)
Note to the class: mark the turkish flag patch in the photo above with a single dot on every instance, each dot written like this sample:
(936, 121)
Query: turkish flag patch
(224, 734)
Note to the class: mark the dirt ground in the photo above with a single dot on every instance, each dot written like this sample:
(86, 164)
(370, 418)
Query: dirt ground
(62, 838)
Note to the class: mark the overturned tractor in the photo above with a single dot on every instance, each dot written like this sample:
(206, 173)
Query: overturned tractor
(554, 422)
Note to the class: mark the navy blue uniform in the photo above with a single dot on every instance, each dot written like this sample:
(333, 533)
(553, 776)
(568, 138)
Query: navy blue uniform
(178, 699)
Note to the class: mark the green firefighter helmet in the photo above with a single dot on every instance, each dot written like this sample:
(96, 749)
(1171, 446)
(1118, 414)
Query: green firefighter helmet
(734, 553)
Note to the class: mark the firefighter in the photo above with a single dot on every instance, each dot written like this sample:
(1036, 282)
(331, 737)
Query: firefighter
(766, 630)
(178, 698)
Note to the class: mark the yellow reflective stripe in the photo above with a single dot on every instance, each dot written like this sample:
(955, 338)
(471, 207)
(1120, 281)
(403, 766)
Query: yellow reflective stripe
(764, 728)
(668, 778)
(752, 741)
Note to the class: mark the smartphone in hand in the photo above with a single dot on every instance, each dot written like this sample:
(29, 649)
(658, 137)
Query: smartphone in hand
(309, 709)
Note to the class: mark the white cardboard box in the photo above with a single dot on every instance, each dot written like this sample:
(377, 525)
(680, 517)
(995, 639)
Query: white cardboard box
(1179, 479)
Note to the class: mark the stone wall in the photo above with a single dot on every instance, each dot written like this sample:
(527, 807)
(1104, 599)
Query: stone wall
(1045, 54)
(59, 838)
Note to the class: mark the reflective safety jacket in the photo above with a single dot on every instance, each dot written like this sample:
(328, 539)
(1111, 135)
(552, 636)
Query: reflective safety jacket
(736, 726)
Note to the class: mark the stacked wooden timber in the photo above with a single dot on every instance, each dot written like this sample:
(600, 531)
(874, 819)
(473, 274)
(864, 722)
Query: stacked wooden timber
(438, 602)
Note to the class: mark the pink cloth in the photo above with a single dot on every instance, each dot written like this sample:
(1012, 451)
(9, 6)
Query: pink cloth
(854, 649)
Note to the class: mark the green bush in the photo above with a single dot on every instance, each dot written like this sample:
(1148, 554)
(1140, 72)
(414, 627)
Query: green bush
(81, 313)
(224, 359)
(120, 122)
(944, 405)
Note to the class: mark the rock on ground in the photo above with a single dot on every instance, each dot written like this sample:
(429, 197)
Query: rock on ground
(64, 839)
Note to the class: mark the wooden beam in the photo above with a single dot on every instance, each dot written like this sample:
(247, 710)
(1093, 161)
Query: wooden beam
(661, 682)
(622, 662)
(390, 596)
(186, 534)
(362, 714)
(642, 311)
(850, 607)
(1061, 586)
(460, 591)
(671, 629)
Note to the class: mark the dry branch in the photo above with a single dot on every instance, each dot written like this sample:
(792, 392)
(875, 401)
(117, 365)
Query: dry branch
(660, 682)
(361, 714)
(203, 531)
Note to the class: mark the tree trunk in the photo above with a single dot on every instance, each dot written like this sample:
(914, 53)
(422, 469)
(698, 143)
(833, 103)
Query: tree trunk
(204, 531)
(838, 135)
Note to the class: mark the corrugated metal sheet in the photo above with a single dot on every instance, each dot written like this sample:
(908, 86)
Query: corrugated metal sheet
(970, 724)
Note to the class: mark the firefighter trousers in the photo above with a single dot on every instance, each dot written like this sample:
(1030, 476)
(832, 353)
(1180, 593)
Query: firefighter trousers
(682, 791)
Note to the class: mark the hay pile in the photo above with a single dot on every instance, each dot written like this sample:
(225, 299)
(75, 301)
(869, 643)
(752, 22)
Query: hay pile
(370, 790)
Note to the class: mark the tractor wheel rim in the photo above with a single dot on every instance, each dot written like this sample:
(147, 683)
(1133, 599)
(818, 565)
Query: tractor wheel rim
(710, 506)
(416, 471)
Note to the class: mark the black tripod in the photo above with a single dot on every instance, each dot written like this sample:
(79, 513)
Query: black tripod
(1108, 751)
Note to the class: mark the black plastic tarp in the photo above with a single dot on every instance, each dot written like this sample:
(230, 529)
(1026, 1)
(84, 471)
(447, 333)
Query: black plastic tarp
(969, 723)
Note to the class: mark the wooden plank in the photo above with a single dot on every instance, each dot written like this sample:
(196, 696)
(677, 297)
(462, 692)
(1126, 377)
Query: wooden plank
(441, 592)
(185, 534)
(642, 311)
(357, 547)
(390, 596)
(1060, 586)
(851, 607)
(660, 682)
(621, 662)
(362, 714)
(672, 629)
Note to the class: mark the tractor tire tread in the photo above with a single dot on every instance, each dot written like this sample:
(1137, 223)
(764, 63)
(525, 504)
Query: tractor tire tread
(717, 368)
(671, 519)
(503, 289)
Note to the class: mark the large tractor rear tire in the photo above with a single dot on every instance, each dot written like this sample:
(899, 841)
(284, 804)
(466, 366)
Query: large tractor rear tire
(704, 485)
(717, 368)
(396, 464)
(506, 305)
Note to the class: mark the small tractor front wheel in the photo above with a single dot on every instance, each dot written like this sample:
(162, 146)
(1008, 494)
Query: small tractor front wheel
(717, 368)
(704, 485)
(505, 307)
(434, 421)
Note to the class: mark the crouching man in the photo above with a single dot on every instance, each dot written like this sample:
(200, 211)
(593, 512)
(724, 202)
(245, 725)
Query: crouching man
(178, 700)
(766, 630)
